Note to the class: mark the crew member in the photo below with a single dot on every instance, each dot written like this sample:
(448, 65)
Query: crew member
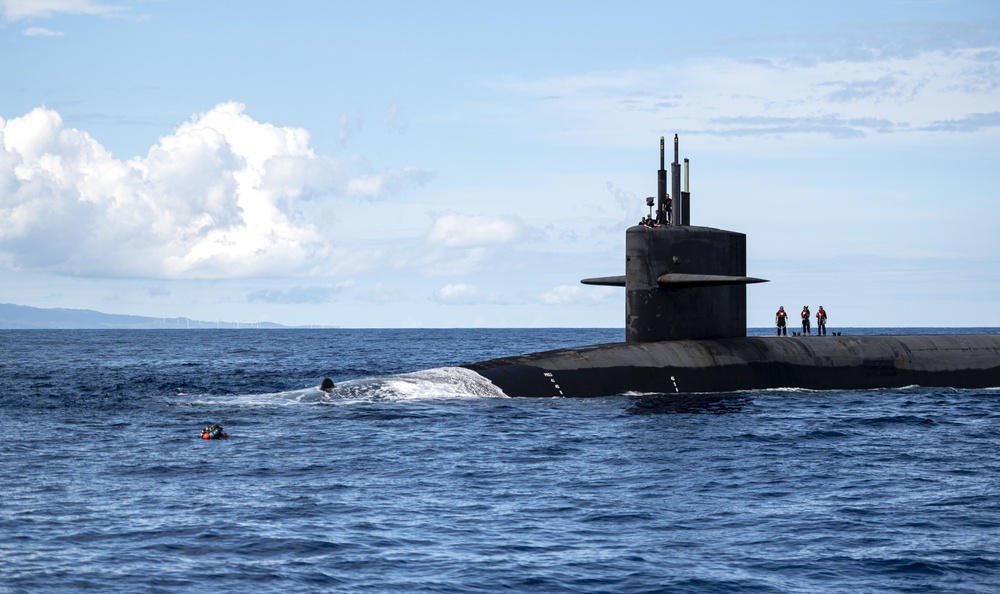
(779, 319)
(820, 322)
(663, 213)
(214, 431)
(805, 320)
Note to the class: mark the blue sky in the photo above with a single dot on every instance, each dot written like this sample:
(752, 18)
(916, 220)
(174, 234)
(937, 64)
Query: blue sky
(456, 164)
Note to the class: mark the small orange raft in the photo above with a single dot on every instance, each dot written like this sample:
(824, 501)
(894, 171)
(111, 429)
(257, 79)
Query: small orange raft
(214, 431)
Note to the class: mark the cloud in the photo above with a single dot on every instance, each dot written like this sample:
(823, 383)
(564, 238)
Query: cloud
(42, 32)
(381, 293)
(385, 183)
(457, 293)
(23, 9)
(571, 294)
(454, 230)
(971, 123)
(218, 198)
(395, 119)
(885, 90)
(299, 295)
(450, 263)
(350, 124)
(859, 90)
(830, 125)
(626, 200)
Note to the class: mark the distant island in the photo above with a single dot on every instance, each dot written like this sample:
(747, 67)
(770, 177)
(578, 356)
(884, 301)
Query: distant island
(21, 317)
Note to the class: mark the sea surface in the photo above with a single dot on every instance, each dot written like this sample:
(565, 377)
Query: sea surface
(417, 476)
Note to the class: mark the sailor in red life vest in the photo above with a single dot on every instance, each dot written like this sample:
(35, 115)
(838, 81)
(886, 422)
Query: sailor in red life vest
(820, 322)
(779, 319)
(805, 320)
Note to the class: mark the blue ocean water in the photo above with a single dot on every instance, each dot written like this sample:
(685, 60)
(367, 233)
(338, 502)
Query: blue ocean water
(416, 476)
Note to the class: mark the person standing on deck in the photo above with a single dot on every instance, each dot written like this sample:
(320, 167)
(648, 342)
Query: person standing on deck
(779, 319)
(820, 322)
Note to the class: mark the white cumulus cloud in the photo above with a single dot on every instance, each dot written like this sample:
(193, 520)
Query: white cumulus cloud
(218, 198)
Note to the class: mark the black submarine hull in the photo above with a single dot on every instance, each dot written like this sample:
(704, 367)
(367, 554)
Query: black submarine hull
(751, 363)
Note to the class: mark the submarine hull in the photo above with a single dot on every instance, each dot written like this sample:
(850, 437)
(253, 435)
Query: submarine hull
(751, 363)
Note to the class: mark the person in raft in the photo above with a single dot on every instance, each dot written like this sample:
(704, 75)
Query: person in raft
(779, 319)
(214, 431)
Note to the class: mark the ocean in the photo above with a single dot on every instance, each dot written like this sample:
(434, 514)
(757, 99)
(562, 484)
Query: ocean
(417, 476)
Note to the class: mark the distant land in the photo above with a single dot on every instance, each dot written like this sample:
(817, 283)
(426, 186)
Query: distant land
(19, 317)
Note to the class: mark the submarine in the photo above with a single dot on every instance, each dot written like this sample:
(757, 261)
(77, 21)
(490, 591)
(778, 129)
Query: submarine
(685, 329)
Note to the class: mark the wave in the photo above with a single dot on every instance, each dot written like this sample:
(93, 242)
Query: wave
(437, 383)
(440, 382)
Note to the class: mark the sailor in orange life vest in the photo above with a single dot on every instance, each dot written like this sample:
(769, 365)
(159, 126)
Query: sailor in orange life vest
(805, 320)
(779, 319)
(213, 432)
(820, 322)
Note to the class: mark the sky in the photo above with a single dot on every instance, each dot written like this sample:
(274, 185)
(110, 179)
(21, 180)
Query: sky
(465, 164)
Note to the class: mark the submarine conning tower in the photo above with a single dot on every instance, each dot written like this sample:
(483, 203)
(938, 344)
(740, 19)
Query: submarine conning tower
(681, 281)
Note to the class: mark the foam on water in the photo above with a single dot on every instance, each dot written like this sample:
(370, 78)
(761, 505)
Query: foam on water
(437, 383)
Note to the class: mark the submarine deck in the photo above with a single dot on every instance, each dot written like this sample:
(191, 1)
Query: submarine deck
(751, 363)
